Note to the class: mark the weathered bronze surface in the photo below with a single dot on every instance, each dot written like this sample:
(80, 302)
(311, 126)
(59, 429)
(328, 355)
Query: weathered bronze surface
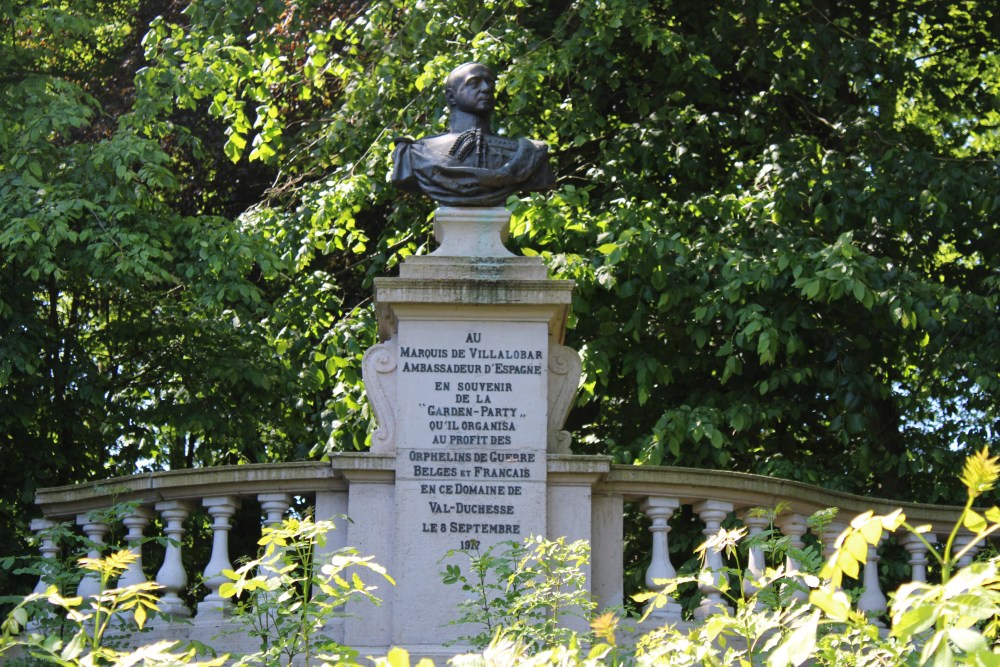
(469, 165)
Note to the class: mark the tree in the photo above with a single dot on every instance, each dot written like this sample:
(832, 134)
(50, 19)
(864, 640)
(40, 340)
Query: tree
(780, 217)
(133, 312)
(785, 208)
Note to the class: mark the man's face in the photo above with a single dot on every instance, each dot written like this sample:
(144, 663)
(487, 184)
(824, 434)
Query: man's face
(471, 90)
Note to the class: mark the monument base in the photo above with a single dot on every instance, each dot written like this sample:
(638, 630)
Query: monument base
(470, 386)
(471, 232)
(472, 248)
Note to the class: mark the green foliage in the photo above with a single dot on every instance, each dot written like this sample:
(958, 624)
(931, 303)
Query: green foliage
(91, 619)
(131, 321)
(400, 657)
(781, 218)
(763, 604)
(293, 589)
(953, 621)
(62, 572)
(524, 592)
(737, 183)
(949, 622)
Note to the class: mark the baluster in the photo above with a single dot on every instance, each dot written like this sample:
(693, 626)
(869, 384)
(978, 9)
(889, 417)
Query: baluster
(221, 509)
(872, 601)
(49, 550)
(659, 511)
(171, 575)
(712, 512)
(136, 523)
(829, 538)
(918, 554)
(755, 556)
(95, 531)
(274, 506)
(794, 527)
(961, 541)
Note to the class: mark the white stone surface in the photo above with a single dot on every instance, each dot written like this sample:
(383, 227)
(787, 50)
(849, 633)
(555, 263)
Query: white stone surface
(564, 369)
(568, 508)
(470, 386)
(471, 231)
(172, 575)
(607, 549)
(378, 369)
(659, 511)
(712, 512)
(49, 552)
(472, 248)
(95, 531)
(486, 269)
(362, 485)
(214, 606)
(135, 523)
(371, 507)
(470, 465)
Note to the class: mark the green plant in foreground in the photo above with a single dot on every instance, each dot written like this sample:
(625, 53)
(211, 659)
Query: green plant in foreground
(63, 570)
(92, 619)
(954, 621)
(288, 594)
(524, 590)
(523, 593)
(762, 602)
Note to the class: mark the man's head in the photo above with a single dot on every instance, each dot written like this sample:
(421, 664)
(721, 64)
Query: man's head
(469, 88)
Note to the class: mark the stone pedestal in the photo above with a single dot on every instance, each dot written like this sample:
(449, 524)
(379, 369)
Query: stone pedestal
(470, 387)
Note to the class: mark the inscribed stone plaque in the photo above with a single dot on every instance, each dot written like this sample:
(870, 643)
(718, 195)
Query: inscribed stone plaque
(470, 460)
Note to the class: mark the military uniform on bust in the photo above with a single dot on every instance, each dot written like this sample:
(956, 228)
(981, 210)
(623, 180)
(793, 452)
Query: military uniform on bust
(469, 165)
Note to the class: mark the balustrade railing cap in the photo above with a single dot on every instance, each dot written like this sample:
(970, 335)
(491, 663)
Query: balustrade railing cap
(189, 485)
(692, 485)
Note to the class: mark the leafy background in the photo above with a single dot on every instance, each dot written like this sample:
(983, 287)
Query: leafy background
(781, 217)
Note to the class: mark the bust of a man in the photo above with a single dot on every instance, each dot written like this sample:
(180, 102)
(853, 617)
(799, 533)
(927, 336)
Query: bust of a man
(469, 165)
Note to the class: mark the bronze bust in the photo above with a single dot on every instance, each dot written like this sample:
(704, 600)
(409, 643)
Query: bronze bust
(469, 165)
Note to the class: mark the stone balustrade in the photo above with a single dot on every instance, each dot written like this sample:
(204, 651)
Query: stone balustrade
(171, 498)
(716, 495)
(586, 499)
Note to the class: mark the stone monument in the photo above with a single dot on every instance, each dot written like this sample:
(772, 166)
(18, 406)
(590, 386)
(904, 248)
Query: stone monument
(470, 384)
